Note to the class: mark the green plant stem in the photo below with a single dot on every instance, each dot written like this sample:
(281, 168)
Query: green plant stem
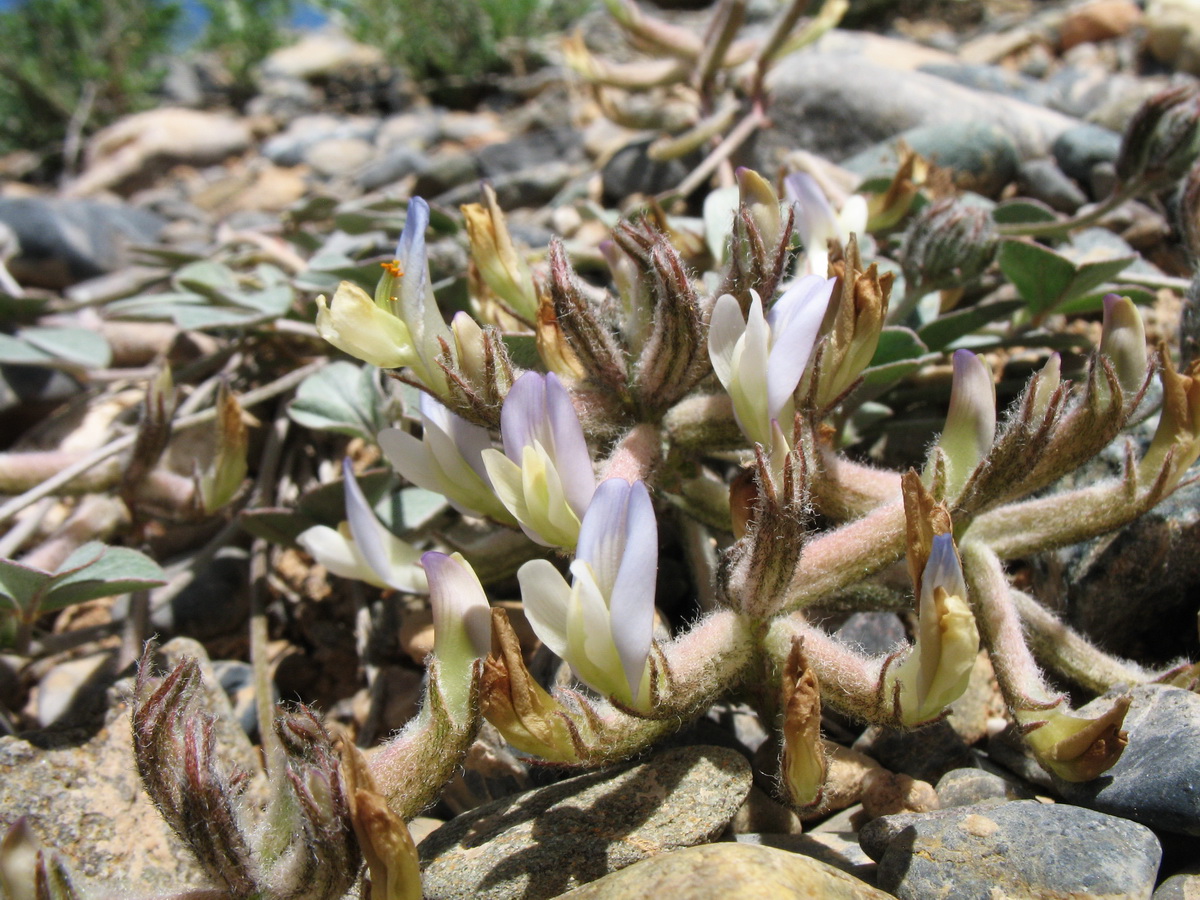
(1060, 228)
(112, 448)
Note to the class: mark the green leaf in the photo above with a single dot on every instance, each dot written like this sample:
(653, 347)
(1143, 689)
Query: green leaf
(1093, 301)
(20, 586)
(947, 329)
(77, 346)
(522, 348)
(341, 398)
(897, 343)
(116, 570)
(1047, 280)
(207, 278)
(1022, 211)
(22, 353)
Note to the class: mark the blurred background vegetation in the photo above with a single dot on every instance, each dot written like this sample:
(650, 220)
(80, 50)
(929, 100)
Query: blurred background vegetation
(70, 67)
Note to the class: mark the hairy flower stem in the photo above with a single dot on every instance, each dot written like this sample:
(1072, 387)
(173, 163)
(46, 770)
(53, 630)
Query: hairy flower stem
(850, 682)
(1021, 529)
(1066, 651)
(846, 490)
(835, 560)
(1017, 672)
(635, 456)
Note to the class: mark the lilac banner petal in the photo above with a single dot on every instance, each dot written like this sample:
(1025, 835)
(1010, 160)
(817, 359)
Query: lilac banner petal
(602, 533)
(816, 221)
(523, 411)
(469, 439)
(631, 608)
(365, 528)
(943, 568)
(546, 597)
(570, 450)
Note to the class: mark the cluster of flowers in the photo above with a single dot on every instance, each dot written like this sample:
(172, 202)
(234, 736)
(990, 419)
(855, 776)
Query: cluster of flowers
(656, 381)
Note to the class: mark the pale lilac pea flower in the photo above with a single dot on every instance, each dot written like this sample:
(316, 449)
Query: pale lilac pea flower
(602, 623)
(544, 476)
(362, 548)
(760, 359)
(447, 459)
(971, 421)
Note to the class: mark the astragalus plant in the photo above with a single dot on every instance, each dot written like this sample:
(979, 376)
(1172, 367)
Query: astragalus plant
(711, 409)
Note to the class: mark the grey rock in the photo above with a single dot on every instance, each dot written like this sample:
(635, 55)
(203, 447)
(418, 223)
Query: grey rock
(73, 692)
(289, 146)
(338, 157)
(1042, 180)
(33, 390)
(549, 840)
(729, 872)
(993, 79)
(1152, 560)
(631, 171)
(445, 171)
(1179, 887)
(530, 187)
(390, 166)
(64, 241)
(529, 150)
(1157, 779)
(981, 156)
(872, 632)
(1081, 148)
(966, 787)
(832, 105)
(1023, 849)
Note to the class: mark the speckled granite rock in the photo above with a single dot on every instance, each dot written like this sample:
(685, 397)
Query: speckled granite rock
(547, 841)
(82, 797)
(729, 872)
(1022, 849)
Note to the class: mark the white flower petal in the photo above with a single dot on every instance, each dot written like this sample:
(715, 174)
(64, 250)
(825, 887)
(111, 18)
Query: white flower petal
(725, 329)
(335, 552)
(545, 594)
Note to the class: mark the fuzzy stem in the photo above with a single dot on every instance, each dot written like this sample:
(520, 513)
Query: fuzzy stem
(1059, 228)
(849, 681)
(1017, 672)
(636, 455)
(1068, 652)
(837, 559)
(1058, 520)
(846, 490)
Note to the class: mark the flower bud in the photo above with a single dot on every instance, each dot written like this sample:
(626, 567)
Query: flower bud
(528, 717)
(220, 481)
(948, 243)
(492, 250)
(971, 422)
(1075, 747)
(938, 668)
(850, 332)
(802, 767)
(461, 627)
(1123, 341)
(479, 371)
(762, 203)
(1162, 140)
(591, 346)
(636, 304)
(759, 244)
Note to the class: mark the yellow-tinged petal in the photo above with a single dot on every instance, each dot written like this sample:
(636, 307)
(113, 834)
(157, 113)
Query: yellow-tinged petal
(354, 324)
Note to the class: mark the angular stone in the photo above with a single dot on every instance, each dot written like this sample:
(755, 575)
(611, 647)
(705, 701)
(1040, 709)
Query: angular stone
(1157, 779)
(547, 841)
(1179, 887)
(1023, 849)
(729, 872)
